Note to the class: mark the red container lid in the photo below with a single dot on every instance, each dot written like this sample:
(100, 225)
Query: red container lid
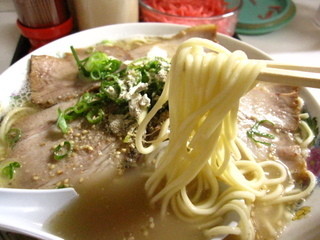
(41, 36)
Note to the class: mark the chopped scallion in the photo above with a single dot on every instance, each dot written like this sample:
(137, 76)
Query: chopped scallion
(98, 66)
(95, 116)
(61, 122)
(253, 131)
(79, 63)
(13, 136)
(9, 170)
(62, 150)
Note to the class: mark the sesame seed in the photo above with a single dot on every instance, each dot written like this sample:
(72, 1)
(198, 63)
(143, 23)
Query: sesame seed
(36, 177)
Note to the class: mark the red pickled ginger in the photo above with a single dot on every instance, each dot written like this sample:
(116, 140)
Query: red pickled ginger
(190, 8)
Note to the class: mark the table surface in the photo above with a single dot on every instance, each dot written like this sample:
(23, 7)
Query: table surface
(298, 42)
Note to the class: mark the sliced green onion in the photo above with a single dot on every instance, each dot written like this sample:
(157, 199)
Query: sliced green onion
(97, 66)
(86, 97)
(95, 116)
(101, 61)
(90, 98)
(147, 68)
(95, 61)
(70, 114)
(78, 61)
(96, 74)
(253, 131)
(61, 122)
(62, 150)
(112, 65)
(13, 136)
(81, 107)
(110, 89)
(115, 79)
(9, 170)
(107, 42)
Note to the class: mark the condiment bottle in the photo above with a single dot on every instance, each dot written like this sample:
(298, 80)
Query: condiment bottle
(95, 13)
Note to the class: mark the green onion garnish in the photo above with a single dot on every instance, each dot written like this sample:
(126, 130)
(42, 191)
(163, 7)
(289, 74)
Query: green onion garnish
(95, 116)
(110, 89)
(81, 107)
(116, 82)
(79, 63)
(62, 150)
(9, 170)
(13, 136)
(253, 131)
(98, 66)
(61, 122)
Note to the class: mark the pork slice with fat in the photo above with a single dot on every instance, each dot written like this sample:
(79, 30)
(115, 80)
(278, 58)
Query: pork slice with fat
(279, 105)
(95, 151)
(53, 80)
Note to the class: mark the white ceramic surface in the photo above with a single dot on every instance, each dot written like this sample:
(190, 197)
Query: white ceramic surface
(14, 78)
(25, 211)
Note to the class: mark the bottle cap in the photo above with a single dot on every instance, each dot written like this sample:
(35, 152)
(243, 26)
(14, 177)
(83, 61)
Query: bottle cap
(40, 36)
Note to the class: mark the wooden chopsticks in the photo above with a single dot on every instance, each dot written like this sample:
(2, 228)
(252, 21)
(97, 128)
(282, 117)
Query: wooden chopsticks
(293, 75)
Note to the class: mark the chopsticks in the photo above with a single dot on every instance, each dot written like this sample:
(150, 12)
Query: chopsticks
(293, 75)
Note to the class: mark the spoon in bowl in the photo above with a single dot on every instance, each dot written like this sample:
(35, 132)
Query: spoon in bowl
(25, 211)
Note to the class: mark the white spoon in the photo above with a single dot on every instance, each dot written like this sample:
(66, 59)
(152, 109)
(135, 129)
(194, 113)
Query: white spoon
(25, 211)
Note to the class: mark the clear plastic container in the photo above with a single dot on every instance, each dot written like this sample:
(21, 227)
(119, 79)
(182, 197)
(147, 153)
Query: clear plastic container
(225, 22)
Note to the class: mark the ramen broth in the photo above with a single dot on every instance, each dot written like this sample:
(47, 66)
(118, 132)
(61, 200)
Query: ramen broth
(118, 208)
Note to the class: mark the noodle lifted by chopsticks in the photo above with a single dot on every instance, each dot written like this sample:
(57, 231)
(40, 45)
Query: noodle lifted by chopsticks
(202, 172)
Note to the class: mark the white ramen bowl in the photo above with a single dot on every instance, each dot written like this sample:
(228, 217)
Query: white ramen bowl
(12, 80)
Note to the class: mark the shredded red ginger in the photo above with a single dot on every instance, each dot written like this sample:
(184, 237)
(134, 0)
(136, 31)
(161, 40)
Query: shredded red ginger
(190, 8)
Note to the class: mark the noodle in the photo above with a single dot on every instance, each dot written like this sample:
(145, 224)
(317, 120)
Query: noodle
(306, 131)
(205, 173)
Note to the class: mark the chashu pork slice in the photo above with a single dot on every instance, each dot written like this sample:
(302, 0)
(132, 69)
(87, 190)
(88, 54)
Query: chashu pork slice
(279, 105)
(53, 80)
(95, 151)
